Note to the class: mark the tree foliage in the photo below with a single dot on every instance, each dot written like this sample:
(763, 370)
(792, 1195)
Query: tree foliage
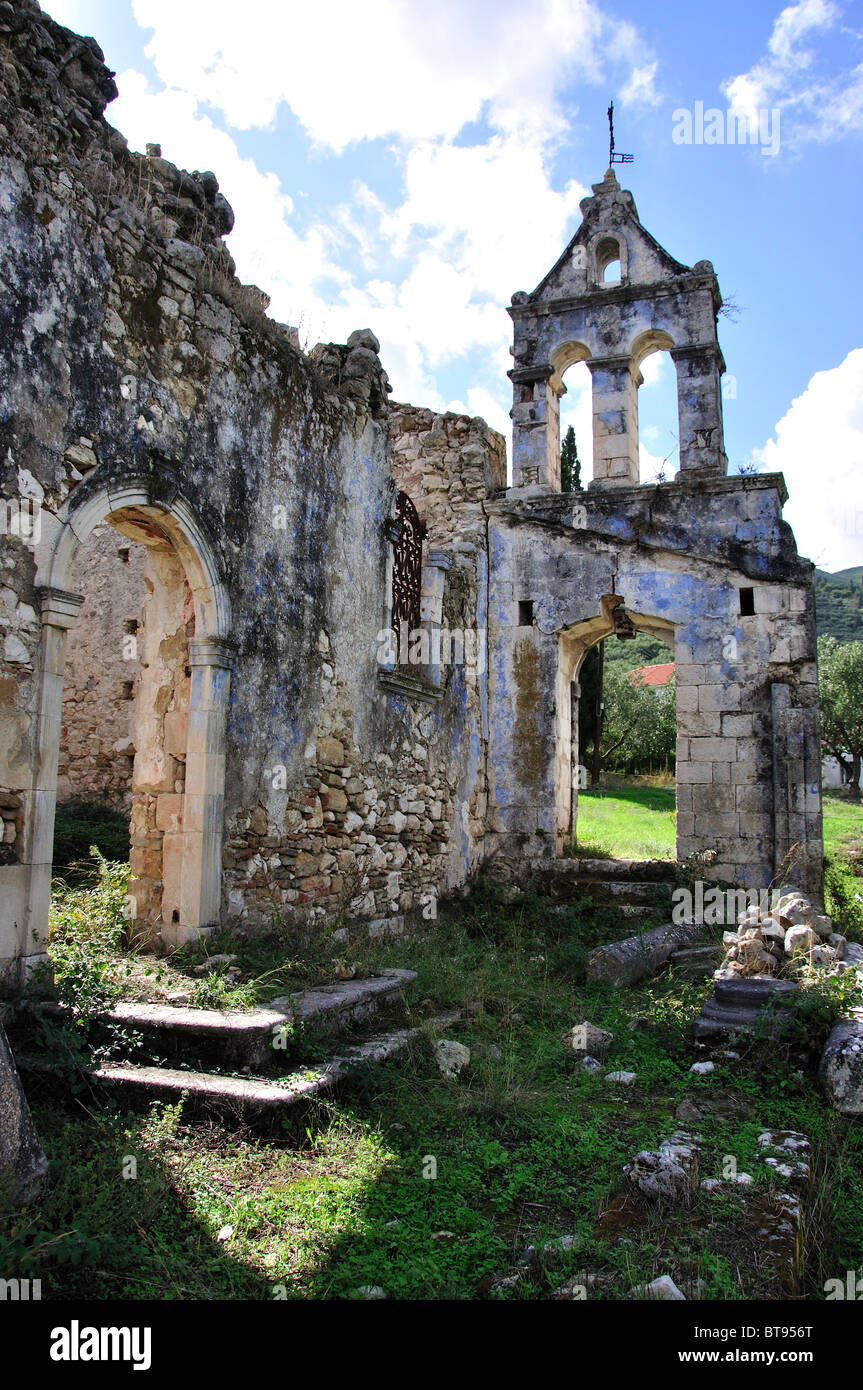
(839, 607)
(570, 464)
(840, 694)
(639, 722)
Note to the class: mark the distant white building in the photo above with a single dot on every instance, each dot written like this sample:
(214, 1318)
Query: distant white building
(832, 772)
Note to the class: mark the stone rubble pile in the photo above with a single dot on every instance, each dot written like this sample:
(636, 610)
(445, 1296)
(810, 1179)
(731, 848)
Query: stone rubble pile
(776, 942)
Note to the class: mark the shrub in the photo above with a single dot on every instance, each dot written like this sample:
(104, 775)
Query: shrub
(87, 928)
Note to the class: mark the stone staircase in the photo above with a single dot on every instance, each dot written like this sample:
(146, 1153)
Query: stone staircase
(639, 888)
(249, 1064)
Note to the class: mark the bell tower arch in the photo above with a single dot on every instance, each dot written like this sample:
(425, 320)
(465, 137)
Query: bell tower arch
(614, 296)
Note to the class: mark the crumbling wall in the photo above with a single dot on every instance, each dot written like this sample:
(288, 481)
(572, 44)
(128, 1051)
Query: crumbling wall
(688, 559)
(97, 743)
(135, 365)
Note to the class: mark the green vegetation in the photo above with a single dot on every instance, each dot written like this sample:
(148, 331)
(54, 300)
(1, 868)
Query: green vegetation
(640, 650)
(839, 604)
(87, 934)
(843, 837)
(570, 464)
(626, 821)
(840, 696)
(79, 824)
(639, 722)
(527, 1148)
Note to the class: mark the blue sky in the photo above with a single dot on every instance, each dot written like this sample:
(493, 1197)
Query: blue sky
(406, 167)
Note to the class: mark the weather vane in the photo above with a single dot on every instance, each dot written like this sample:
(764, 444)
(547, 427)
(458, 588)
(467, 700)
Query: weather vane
(612, 157)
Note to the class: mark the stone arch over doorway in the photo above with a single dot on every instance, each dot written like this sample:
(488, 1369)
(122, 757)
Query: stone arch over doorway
(164, 521)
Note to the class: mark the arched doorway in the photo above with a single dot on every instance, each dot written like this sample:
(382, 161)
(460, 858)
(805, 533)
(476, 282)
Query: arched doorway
(575, 645)
(177, 891)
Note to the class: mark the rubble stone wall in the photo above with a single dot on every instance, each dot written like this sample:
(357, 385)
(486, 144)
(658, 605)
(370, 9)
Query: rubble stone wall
(134, 359)
(102, 667)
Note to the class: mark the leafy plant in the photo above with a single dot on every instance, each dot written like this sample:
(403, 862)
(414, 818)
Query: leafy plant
(87, 929)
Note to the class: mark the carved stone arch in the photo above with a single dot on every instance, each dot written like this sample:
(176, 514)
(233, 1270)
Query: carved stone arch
(604, 249)
(653, 340)
(564, 356)
(145, 510)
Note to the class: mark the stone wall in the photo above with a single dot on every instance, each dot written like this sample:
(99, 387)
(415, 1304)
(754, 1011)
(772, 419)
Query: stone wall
(288, 764)
(143, 384)
(102, 667)
(681, 559)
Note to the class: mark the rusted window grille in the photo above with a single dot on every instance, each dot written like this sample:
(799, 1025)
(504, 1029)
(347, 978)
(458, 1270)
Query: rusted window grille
(408, 533)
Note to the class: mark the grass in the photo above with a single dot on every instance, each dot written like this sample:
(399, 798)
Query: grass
(628, 821)
(525, 1147)
(843, 835)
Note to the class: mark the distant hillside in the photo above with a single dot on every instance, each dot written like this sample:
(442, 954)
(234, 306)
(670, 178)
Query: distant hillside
(850, 576)
(839, 604)
(641, 651)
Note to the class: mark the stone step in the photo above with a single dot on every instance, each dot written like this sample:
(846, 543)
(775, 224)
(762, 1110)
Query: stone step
(246, 1036)
(657, 870)
(246, 1095)
(619, 881)
(621, 892)
(629, 912)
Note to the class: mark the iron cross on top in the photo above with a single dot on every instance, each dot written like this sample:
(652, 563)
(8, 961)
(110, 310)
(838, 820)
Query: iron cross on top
(612, 157)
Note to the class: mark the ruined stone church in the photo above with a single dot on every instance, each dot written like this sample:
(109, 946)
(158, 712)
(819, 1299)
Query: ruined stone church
(313, 641)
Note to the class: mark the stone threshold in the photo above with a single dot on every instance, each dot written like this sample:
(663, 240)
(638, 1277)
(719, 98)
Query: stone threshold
(247, 1094)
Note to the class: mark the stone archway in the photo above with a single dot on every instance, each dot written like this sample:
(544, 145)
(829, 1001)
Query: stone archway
(195, 822)
(574, 645)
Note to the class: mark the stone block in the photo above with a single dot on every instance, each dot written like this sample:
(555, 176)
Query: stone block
(695, 772)
(330, 752)
(176, 730)
(169, 811)
(840, 1073)
(718, 698)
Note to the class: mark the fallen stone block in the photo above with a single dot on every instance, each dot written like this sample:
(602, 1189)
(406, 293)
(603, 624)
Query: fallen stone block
(587, 1038)
(746, 1004)
(663, 1288)
(840, 1072)
(625, 962)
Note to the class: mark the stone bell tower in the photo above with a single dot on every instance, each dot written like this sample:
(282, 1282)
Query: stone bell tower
(615, 296)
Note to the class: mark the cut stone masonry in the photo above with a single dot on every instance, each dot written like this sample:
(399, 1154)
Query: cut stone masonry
(285, 769)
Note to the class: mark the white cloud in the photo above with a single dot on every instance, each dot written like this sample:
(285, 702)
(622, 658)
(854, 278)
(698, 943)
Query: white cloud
(818, 445)
(482, 402)
(353, 71)
(794, 77)
(465, 245)
(268, 250)
(432, 272)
